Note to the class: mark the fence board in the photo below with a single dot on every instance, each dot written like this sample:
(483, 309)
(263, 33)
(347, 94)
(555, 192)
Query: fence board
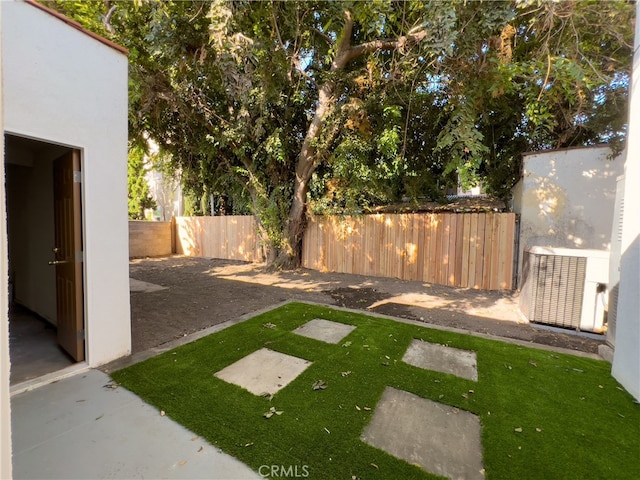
(473, 251)
(466, 245)
(421, 227)
(444, 264)
(232, 237)
(413, 241)
(451, 270)
(458, 257)
(462, 250)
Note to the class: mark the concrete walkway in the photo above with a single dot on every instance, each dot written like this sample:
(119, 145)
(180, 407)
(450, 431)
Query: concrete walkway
(81, 428)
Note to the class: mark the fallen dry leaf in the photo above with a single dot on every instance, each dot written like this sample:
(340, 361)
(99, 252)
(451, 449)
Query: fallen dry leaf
(319, 385)
(162, 413)
(272, 411)
(518, 429)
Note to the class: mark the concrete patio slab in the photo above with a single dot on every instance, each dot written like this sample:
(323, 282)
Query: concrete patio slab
(33, 344)
(324, 330)
(77, 428)
(440, 358)
(439, 438)
(264, 371)
(144, 287)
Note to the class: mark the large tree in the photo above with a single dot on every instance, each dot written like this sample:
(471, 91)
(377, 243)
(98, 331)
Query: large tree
(139, 198)
(279, 101)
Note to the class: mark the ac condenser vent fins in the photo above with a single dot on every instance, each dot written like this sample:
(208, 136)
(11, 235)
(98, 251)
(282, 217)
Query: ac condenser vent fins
(557, 284)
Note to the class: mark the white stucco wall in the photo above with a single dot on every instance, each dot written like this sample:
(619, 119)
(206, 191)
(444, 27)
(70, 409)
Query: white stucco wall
(62, 86)
(626, 358)
(566, 199)
(5, 404)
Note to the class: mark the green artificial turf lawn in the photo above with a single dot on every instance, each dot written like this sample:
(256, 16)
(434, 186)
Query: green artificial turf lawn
(544, 415)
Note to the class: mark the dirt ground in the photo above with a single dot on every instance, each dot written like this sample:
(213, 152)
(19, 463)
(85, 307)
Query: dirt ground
(202, 292)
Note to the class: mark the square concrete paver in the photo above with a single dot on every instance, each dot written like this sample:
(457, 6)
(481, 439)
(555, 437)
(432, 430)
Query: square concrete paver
(439, 438)
(144, 287)
(439, 358)
(324, 330)
(264, 371)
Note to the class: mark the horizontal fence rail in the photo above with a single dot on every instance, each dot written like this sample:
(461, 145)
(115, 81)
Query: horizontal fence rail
(232, 237)
(474, 250)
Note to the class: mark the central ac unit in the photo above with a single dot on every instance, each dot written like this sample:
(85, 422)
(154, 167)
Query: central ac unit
(565, 287)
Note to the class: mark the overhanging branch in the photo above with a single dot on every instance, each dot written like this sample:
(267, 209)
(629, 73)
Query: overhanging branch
(346, 52)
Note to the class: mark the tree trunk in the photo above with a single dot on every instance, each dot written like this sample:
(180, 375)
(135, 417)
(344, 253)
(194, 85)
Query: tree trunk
(289, 255)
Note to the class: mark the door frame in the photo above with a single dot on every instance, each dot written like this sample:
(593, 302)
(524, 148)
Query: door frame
(50, 157)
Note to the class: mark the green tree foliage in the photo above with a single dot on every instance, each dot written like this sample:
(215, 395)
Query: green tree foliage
(139, 195)
(555, 75)
(344, 104)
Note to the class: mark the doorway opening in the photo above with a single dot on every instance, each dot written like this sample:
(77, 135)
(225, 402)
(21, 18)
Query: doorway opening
(44, 230)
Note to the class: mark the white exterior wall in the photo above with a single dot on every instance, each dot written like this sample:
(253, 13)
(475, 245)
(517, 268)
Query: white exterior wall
(566, 199)
(626, 358)
(62, 86)
(5, 404)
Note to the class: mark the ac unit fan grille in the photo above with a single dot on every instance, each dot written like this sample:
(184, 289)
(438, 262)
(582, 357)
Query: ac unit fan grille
(557, 286)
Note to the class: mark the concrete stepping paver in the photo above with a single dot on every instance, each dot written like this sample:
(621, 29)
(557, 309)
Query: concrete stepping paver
(440, 358)
(439, 438)
(324, 330)
(264, 371)
(144, 287)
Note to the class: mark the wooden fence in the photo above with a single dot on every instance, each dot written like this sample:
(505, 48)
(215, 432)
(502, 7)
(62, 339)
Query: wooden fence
(231, 237)
(473, 250)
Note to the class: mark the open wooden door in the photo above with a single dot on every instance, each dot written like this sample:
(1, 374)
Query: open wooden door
(68, 253)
